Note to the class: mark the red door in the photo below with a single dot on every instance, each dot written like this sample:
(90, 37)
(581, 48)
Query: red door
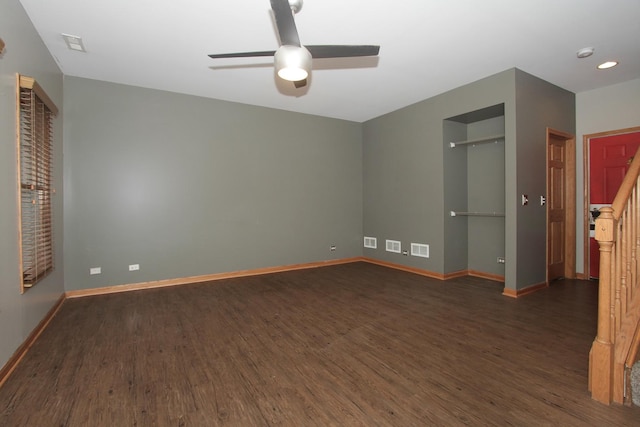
(609, 159)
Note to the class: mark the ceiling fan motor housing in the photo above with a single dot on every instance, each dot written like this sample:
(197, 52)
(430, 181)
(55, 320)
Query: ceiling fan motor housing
(292, 60)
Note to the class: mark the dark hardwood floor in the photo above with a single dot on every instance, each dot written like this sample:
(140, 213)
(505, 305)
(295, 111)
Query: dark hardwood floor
(348, 345)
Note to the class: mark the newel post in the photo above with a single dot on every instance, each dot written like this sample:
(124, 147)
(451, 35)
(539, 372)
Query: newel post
(601, 369)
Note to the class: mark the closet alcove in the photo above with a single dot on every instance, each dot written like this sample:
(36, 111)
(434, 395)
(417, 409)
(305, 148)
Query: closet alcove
(474, 192)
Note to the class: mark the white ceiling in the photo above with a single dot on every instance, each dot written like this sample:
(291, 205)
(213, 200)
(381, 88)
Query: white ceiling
(427, 47)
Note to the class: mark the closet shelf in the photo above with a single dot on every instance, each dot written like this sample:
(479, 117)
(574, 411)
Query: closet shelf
(483, 140)
(459, 213)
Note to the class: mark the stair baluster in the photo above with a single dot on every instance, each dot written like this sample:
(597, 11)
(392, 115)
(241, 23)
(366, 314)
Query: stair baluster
(615, 348)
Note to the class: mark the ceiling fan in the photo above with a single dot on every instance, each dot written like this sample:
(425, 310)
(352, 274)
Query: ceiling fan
(292, 60)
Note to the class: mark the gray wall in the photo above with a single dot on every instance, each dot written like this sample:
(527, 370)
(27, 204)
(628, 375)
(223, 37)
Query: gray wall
(539, 105)
(456, 196)
(188, 186)
(405, 170)
(601, 110)
(25, 54)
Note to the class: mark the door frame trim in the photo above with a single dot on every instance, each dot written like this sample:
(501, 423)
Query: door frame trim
(585, 195)
(570, 202)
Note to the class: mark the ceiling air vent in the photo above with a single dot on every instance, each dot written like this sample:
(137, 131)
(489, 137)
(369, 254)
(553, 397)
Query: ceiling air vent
(419, 249)
(73, 42)
(393, 246)
(370, 242)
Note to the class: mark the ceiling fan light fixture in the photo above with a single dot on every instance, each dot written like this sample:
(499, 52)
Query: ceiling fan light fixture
(295, 5)
(292, 63)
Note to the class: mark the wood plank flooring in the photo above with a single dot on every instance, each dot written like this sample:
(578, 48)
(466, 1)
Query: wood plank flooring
(347, 345)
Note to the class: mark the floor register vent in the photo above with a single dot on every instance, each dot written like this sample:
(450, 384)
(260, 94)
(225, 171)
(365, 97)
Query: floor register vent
(370, 242)
(393, 246)
(420, 249)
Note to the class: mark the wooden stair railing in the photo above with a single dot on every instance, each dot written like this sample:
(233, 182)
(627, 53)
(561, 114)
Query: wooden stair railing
(615, 348)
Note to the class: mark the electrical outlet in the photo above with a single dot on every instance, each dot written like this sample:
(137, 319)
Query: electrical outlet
(134, 267)
(500, 260)
(95, 270)
(332, 248)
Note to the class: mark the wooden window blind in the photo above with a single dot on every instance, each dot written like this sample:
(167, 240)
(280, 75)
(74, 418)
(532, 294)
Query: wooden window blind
(35, 163)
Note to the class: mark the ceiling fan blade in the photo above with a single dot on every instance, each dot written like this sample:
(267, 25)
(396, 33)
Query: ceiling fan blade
(342, 51)
(242, 54)
(285, 23)
(300, 83)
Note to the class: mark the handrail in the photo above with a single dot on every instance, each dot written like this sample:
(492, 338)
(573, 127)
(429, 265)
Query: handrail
(629, 181)
(615, 347)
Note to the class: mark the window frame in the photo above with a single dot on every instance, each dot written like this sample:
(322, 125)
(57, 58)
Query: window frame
(34, 138)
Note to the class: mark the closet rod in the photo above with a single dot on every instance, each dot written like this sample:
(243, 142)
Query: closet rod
(493, 138)
(459, 213)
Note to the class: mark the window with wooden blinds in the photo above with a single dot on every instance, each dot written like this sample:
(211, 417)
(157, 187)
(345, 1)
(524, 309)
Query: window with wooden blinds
(35, 152)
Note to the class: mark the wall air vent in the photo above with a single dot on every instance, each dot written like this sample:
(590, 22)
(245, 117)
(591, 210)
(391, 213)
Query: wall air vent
(370, 242)
(419, 249)
(394, 246)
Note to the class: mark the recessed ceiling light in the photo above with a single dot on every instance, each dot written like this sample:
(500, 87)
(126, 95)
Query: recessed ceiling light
(608, 64)
(585, 52)
(73, 42)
